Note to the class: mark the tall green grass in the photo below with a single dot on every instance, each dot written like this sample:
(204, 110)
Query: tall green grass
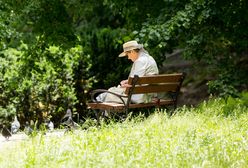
(208, 136)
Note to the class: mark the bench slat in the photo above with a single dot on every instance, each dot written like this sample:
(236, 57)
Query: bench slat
(165, 78)
(106, 106)
(166, 87)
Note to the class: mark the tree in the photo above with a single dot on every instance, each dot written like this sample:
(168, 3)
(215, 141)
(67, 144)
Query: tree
(211, 31)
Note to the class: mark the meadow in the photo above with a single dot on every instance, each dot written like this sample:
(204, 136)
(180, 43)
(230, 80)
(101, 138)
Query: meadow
(214, 134)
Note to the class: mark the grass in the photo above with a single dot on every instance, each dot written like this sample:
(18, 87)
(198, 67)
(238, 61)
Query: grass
(194, 137)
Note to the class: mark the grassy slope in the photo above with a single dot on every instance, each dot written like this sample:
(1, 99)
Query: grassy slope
(201, 137)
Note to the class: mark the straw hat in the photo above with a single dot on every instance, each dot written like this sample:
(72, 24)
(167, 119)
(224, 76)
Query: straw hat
(130, 45)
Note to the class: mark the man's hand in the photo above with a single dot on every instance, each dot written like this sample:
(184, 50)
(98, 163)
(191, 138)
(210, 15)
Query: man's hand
(125, 84)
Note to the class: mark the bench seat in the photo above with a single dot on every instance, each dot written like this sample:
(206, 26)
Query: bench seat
(120, 107)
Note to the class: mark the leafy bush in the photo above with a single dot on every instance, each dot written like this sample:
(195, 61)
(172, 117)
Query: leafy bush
(41, 83)
(226, 107)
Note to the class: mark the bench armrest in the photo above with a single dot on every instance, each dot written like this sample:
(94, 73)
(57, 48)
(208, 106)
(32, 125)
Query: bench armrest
(96, 92)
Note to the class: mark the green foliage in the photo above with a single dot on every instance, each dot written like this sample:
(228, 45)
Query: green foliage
(104, 35)
(42, 70)
(40, 83)
(211, 31)
(107, 68)
(236, 106)
(7, 31)
(227, 107)
(47, 19)
(231, 79)
(55, 51)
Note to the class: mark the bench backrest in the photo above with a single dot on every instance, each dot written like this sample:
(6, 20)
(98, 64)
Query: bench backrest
(155, 83)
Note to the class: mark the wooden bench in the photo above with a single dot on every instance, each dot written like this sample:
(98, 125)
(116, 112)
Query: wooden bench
(162, 83)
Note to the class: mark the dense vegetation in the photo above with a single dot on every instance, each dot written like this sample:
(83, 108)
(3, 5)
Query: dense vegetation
(212, 135)
(52, 52)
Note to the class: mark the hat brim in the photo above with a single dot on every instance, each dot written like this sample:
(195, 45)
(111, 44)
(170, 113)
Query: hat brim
(123, 54)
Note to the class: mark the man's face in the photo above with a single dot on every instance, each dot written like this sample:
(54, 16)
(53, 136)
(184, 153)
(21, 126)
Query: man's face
(132, 55)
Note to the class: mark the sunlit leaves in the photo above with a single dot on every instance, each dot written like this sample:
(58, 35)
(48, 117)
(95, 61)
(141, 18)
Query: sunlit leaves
(45, 77)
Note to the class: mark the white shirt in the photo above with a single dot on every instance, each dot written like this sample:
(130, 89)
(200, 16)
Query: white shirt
(145, 65)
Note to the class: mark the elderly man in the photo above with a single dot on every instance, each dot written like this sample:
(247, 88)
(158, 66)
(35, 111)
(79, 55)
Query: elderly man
(143, 65)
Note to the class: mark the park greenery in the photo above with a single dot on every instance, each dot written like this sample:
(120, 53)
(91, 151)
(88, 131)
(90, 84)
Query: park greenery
(211, 135)
(53, 52)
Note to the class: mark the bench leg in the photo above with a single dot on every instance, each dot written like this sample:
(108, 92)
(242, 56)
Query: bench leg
(98, 115)
(101, 114)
